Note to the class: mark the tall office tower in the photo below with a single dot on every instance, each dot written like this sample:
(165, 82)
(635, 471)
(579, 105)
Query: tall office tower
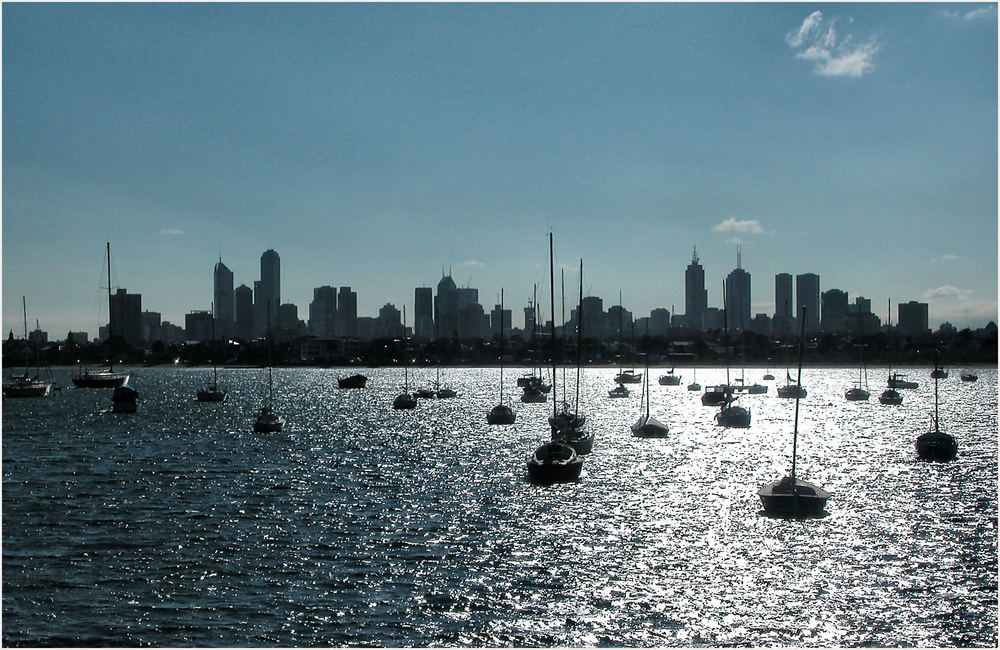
(529, 321)
(151, 330)
(912, 318)
(446, 309)
(323, 311)
(198, 326)
(347, 313)
(860, 319)
(834, 317)
(126, 316)
(738, 296)
(500, 318)
(807, 295)
(389, 323)
(423, 313)
(244, 318)
(268, 289)
(659, 322)
(222, 299)
(783, 305)
(695, 294)
(594, 318)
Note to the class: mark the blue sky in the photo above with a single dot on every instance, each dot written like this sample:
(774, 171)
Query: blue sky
(371, 145)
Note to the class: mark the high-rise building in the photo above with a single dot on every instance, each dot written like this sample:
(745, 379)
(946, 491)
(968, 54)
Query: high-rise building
(738, 296)
(499, 318)
(347, 313)
(244, 317)
(198, 326)
(323, 312)
(151, 326)
(594, 318)
(659, 322)
(446, 309)
(807, 295)
(126, 316)
(423, 313)
(782, 323)
(222, 299)
(695, 294)
(268, 289)
(389, 323)
(912, 318)
(860, 319)
(834, 317)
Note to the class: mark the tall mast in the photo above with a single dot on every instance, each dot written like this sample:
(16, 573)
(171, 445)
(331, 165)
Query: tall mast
(406, 372)
(215, 367)
(579, 337)
(270, 387)
(111, 331)
(501, 345)
(725, 329)
(798, 394)
(552, 310)
(24, 307)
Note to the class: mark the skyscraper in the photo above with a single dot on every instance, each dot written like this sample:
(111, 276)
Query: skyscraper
(738, 296)
(695, 295)
(347, 312)
(807, 295)
(223, 300)
(912, 318)
(268, 289)
(834, 317)
(323, 311)
(244, 318)
(423, 312)
(783, 304)
(126, 316)
(446, 309)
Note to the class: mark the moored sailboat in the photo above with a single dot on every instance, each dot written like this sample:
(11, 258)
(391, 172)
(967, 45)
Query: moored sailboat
(790, 495)
(104, 378)
(647, 426)
(213, 393)
(501, 413)
(890, 396)
(267, 420)
(26, 385)
(405, 400)
(936, 444)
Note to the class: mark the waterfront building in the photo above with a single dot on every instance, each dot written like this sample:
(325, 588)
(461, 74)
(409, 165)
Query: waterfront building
(499, 318)
(151, 326)
(529, 321)
(738, 296)
(834, 313)
(222, 299)
(323, 312)
(783, 317)
(198, 326)
(860, 319)
(912, 318)
(695, 294)
(807, 295)
(423, 313)
(244, 316)
(267, 290)
(347, 313)
(126, 316)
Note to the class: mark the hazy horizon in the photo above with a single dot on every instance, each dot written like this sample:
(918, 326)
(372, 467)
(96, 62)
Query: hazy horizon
(373, 145)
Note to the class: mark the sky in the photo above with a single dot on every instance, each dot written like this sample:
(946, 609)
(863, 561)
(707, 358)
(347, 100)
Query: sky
(375, 145)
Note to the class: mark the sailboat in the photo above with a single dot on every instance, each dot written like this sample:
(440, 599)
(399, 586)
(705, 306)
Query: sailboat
(405, 400)
(104, 378)
(767, 373)
(628, 376)
(792, 388)
(213, 393)
(533, 389)
(647, 426)
(936, 444)
(890, 395)
(669, 379)
(26, 385)
(620, 390)
(791, 495)
(554, 462)
(501, 413)
(694, 385)
(569, 427)
(267, 420)
(730, 415)
(859, 392)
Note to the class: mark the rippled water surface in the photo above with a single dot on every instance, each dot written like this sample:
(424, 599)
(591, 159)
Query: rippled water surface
(360, 525)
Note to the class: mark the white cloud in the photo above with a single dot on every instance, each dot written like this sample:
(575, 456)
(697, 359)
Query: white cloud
(946, 291)
(171, 231)
(945, 258)
(982, 13)
(732, 225)
(471, 263)
(816, 40)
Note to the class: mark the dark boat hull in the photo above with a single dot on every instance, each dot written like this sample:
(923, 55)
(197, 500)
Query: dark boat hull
(581, 440)
(354, 381)
(100, 381)
(501, 415)
(212, 395)
(649, 427)
(936, 445)
(554, 463)
(783, 498)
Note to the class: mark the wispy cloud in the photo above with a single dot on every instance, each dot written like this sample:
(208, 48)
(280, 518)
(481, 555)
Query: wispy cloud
(816, 40)
(945, 258)
(471, 263)
(981, 13)
(733, 225)
(171, 231)
(946, 291)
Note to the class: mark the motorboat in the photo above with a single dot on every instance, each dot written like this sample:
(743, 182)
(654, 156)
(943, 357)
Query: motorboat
(715, 395)
(896, 381)
(268, 421)
(618, 391)
(354, 381)
(790, 495)
(124, 399)
(756, 389)
(628, 377)
(965, 375)
(554, 462)
(670, 379)
(891, 397)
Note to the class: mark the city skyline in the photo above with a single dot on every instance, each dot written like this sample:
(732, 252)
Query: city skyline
(371, 145)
